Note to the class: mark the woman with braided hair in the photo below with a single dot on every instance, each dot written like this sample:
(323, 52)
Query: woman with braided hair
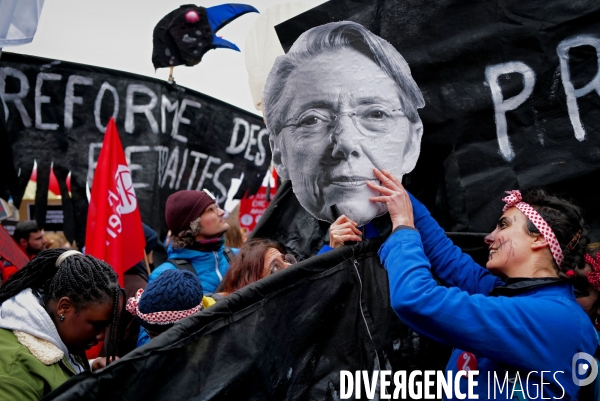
(517, 322)
(51, 311)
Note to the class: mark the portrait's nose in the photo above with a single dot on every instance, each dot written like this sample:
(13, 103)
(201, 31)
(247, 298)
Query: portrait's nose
(345, 138)
(100, 335)
(489, 239)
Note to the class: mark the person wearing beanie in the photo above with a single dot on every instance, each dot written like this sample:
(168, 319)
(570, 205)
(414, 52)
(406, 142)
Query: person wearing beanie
(198, 242)
(173, 296)
(198, 228)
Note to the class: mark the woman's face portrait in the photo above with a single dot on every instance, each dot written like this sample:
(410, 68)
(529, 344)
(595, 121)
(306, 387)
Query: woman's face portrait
(345, 118)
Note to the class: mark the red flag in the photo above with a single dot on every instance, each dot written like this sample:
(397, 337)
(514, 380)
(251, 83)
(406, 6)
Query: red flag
(253, 207)
(114, 230)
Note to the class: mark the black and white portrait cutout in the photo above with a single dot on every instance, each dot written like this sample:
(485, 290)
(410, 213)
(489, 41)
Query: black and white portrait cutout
(341, 102)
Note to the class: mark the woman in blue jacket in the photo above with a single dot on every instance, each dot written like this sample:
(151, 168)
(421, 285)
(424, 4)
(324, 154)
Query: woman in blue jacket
(520, 323)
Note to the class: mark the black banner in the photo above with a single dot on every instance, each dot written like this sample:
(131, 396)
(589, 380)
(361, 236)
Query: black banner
(285, 337)
(512, 92)
(9, 182)
(174, 138)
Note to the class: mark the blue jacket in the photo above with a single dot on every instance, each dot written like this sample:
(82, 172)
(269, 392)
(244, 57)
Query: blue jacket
(210, 266)
(537, 330)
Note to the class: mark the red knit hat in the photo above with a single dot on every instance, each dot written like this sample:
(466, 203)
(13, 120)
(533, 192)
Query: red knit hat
(183, 207)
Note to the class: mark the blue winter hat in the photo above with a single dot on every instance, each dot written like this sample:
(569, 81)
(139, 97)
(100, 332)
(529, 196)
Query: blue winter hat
(174, 295)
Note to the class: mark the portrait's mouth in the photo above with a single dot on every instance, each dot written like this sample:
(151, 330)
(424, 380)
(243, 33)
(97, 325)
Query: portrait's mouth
(351, 181)
(492, 252)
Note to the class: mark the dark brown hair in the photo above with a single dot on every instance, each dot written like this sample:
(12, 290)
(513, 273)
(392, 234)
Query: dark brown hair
(187, 238)
(248, 265)
(568, 225)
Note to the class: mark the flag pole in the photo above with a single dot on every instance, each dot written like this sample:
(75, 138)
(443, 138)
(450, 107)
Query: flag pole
(171, 78)
(147, 264)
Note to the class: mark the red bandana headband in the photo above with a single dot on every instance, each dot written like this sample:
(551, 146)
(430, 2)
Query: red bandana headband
(593, 277)
(166, 317)
(514, 199)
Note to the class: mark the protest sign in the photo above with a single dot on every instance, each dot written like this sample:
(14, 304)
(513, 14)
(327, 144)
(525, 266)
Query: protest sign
(174, 138)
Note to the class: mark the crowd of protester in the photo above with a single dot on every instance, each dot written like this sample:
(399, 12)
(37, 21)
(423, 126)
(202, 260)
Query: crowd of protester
(542, 270)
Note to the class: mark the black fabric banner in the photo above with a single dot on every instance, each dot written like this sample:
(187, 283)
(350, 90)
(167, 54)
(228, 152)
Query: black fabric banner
(512, 97)
(9, 182)
(174, 138)
(285, 337)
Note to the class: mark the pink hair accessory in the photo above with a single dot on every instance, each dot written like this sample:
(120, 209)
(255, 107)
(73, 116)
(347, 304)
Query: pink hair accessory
(166, 317)
(570, 273)
(514, 199)
(593, 277)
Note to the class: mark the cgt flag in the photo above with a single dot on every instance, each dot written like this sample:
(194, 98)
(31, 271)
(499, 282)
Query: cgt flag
(114, 231)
